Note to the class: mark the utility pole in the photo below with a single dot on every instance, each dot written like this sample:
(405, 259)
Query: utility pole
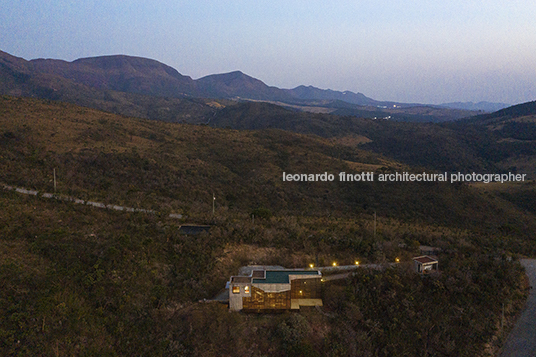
(213, 203)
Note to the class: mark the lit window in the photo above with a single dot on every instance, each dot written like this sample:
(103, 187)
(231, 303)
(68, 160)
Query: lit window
(236, 289)
(246, 289)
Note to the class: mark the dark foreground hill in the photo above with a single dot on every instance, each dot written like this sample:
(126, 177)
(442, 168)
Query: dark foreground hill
(79, 280)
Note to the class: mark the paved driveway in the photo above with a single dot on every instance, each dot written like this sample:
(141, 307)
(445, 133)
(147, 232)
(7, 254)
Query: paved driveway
(522, 340)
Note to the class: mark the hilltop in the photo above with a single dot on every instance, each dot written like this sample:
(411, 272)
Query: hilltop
(516, 113)
(513, 134)
(131, 85)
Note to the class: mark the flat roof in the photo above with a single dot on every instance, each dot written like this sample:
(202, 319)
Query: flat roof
(241, 279)
(258, 274)
(282, 276)
(425, 259)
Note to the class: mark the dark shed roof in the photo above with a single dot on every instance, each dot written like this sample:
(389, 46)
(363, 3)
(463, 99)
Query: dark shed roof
(425, 259)
(193, 229)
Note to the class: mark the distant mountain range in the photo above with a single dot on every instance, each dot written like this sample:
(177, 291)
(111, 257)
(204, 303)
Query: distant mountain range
(114, 83)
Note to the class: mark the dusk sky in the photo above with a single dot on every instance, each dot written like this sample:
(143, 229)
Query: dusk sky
(409, 51)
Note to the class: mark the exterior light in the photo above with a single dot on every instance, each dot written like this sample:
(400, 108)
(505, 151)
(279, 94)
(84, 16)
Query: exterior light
(301, 292)
(334, 264)
(311, 266)
(397, 260)
(356, 262)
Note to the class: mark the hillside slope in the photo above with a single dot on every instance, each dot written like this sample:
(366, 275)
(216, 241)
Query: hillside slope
(79, 280)
(455, 147)
(513, 131)
(181, 165)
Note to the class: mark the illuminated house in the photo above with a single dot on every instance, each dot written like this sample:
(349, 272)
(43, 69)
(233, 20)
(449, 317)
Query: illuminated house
(274, 290)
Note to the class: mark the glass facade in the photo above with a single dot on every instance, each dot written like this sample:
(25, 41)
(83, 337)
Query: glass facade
(306, 289)
(260, 300)
(300, 289)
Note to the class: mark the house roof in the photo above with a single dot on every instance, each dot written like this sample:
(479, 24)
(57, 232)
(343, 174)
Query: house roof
(425, 259)
(193, 229)
(282, 276)
(258, 274)
(241, 279)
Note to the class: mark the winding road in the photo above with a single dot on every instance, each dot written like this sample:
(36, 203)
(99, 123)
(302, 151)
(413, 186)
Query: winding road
(25, 191)
(522, 340)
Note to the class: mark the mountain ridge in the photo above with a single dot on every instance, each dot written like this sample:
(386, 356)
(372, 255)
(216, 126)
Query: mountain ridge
(480, 106)
(121, 73)
(146, 76)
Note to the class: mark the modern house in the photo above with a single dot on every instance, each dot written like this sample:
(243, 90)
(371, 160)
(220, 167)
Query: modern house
(275, 290)
(425, 264)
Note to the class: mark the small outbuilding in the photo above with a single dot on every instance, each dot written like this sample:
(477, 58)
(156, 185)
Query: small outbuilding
(425, 264)
(193, 229)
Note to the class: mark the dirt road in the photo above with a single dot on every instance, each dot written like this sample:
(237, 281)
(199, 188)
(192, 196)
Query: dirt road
(522, 340)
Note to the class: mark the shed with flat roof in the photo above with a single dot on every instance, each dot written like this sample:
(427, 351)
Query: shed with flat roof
(425, 264)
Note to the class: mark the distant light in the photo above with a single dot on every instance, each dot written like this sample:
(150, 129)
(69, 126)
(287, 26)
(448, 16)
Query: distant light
(397, 260)
(311, 265)
(334, 264)
(356, 262)
(301, 292)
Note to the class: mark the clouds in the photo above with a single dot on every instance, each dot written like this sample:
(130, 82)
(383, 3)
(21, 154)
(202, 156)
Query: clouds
(418, 51)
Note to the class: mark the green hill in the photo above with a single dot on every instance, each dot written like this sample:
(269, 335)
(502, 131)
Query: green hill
(512, 132)
(128, 161)
(80, 280)
(464, 146)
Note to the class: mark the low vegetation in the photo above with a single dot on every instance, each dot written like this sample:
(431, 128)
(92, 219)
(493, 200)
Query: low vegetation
(80, 280)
